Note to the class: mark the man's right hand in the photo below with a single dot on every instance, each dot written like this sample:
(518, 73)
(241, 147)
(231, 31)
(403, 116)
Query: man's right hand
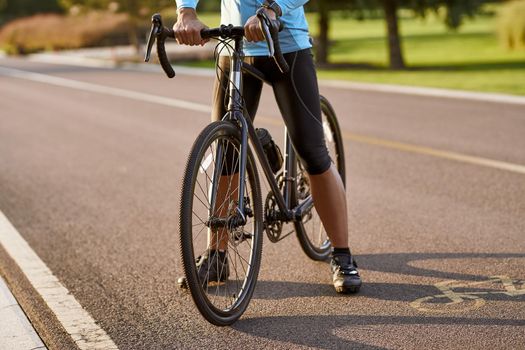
(188, 27)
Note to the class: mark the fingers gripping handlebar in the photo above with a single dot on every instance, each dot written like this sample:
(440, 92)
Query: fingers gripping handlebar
(269, 27)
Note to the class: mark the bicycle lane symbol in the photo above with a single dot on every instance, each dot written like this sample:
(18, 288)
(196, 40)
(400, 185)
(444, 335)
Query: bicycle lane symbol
(454, 301)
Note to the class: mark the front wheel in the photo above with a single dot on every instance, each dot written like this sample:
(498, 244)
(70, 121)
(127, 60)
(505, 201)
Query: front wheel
(221, 253)
(310, 231)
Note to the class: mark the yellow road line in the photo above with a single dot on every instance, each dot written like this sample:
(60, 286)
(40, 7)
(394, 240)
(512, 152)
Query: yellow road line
(406, 147)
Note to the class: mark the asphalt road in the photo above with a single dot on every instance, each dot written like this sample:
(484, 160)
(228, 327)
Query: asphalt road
(91, 181)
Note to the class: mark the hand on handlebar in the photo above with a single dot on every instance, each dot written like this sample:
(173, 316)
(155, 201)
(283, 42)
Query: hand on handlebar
(190, 31)
(188, 28)
(252, 28)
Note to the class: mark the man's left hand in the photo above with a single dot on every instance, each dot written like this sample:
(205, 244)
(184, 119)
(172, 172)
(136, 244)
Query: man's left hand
(252, 28)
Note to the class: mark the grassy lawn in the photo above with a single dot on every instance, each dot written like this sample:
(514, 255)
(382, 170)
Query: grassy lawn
(469, 59)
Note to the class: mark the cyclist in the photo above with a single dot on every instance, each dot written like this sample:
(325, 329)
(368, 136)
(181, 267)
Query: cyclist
(297, 96)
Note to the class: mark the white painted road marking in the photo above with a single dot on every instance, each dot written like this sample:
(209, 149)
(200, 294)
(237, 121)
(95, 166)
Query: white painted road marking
(54, 58)
(101, 89)
(458, 301)
(198, 107)
(76, 321)
(425, 91)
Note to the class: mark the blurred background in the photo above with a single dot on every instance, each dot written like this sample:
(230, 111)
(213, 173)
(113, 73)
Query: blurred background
(459, 44)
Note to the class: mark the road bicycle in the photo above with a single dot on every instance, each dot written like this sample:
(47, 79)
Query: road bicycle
(221, 199)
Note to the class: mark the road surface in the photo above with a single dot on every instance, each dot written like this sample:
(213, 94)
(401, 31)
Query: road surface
(91, 162)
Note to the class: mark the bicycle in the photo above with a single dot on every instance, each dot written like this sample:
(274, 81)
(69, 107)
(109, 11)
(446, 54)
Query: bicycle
(221, 197)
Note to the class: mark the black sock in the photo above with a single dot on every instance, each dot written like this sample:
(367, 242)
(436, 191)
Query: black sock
(336, 251)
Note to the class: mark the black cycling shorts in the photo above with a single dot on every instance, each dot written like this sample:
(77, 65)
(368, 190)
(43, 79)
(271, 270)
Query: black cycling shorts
(302, 116)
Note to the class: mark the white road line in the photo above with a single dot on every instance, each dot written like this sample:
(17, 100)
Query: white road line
(52, 58)
(425, 91)
(76, 321)
(101, 89)
(198, 107)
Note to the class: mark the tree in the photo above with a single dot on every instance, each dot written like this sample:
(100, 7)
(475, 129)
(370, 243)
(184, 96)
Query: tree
(455, 11)
(323, 8)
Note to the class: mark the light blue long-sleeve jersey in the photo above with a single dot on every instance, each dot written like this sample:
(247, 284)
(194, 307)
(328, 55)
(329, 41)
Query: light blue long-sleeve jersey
(293, 37)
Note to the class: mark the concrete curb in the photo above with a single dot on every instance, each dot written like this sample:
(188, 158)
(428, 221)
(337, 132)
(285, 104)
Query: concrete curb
(16, 331)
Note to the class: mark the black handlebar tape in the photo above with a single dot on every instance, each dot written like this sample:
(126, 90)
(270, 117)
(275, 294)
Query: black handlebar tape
(275, 27)
(161, 51)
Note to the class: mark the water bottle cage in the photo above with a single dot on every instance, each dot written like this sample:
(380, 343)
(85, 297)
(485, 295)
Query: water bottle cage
(272, 151)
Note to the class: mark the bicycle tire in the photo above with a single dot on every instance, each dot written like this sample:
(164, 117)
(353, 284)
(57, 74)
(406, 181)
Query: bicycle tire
(319, 247)
(216, 303)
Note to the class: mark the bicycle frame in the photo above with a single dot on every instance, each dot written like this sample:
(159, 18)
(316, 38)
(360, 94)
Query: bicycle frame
(235, 113)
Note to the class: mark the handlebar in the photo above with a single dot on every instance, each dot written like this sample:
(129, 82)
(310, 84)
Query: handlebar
(270, 29)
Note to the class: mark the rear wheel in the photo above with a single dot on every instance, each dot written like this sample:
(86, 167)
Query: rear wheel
(310, 231)
(221, 280)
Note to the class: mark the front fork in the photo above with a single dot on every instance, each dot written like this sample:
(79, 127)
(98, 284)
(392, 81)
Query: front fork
(235, 110)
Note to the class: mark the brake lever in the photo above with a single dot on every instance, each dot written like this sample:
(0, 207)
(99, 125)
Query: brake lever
(264, 24)
(270, 30)
(156, 26)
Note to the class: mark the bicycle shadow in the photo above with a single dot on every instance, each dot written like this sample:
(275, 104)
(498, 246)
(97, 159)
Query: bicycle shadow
(398, 263)
(278, 290)
(318, 331)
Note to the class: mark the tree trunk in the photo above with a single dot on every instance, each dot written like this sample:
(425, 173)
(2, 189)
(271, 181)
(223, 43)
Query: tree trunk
(324, 26)
(133, 9)
(394, 40)
(133, 35)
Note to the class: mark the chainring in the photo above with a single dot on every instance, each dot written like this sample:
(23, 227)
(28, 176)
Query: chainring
(272, 224)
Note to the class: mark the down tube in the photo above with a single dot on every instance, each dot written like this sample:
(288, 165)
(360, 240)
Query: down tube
(267, 170)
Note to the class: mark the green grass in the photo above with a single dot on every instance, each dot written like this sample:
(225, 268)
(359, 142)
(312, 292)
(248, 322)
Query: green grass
(468, 59)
